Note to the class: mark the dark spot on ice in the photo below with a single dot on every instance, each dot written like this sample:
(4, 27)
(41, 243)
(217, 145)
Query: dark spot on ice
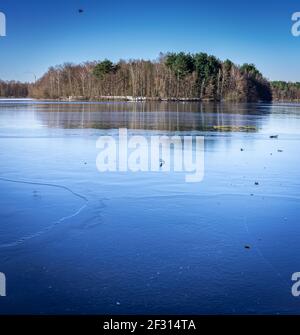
(247, 246)
(279, 150)
(274, 136)
(242, 149)
(256, 183)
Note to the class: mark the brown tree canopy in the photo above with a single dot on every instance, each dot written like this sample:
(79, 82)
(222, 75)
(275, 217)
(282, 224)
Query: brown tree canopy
(172, 76)
(13, 89)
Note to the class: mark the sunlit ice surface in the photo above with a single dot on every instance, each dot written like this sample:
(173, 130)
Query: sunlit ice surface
(74, 240)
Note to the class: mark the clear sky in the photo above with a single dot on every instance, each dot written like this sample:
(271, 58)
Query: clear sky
(42, 33)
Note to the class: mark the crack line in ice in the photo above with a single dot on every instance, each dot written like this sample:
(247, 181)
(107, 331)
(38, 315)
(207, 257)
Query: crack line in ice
(262, 195)
(45, 184)
(39, 233)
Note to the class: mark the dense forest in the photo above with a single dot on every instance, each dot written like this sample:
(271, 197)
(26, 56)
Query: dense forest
(172, 76)
(13, 89)
(283, 91)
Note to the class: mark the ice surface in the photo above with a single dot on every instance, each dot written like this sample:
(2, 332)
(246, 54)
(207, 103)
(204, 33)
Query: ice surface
(74, 240)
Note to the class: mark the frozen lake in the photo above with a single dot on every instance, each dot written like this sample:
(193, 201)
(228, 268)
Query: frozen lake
(76, 240)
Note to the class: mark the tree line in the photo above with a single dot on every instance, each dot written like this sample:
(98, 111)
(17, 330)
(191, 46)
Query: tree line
(13, 89)
(180, 75)
(286, 91)
(171, 76)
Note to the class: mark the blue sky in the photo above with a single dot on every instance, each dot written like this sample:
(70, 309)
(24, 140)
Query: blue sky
(44, 33)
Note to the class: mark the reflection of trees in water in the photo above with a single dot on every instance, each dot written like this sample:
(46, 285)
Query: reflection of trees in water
(172, 116)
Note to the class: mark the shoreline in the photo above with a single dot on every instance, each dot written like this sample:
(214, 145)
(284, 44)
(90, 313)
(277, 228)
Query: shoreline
(139, 99)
